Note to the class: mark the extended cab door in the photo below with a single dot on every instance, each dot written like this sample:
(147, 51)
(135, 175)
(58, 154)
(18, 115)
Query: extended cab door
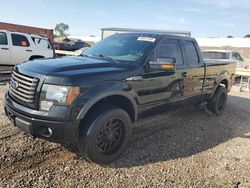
(195, 63)
(21, 48)
(160, 85)
(4, 49)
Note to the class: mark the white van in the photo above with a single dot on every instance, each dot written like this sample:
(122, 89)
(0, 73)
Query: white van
(18, 47)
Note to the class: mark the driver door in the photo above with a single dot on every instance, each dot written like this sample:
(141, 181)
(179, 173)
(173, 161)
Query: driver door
(162, 86)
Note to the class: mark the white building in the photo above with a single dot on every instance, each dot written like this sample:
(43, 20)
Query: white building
(220, 42)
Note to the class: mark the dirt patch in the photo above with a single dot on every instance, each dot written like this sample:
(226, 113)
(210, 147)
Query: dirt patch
(182, 148)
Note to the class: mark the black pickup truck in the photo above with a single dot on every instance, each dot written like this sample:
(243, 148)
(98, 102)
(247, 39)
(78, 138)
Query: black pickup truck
(93, 99)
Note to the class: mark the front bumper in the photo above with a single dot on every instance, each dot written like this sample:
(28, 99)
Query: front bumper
(56, 131)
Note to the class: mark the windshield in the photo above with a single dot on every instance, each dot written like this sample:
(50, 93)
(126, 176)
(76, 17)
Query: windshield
(215, 55)
(122, 47)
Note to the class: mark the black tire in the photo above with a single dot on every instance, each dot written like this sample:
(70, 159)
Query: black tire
(218, 102)
(36, 57)
(106, 136)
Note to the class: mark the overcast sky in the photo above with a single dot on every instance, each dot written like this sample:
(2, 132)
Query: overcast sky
(204, 18)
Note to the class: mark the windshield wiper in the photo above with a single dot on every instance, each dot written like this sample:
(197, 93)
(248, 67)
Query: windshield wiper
(100, 56)
(84, 55)
(107, 58)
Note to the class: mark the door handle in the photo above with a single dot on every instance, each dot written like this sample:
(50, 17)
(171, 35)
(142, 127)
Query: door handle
(28, 50)
(184, 74)
(5, 48)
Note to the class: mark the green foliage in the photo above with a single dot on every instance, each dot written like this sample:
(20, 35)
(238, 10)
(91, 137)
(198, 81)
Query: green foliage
(61, 30)
(230, 36)
(247, 36)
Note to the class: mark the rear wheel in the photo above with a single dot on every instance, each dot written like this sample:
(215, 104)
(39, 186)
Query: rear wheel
(106, 137)
(218, 103)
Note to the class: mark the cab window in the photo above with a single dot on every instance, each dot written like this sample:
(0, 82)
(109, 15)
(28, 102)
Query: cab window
(234, 56)
(168, 49)
(19, 40)
(3, 39)
(191, 53)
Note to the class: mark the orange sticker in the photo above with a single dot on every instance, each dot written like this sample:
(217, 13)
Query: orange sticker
(190, 88)
(190, 77)
(24, 43)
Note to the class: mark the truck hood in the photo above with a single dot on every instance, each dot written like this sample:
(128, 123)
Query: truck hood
(75, 70)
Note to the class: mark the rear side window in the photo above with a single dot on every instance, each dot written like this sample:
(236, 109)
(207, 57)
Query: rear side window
(168, 48)
(41, 43)
(19, 40)
(191, 53)
(3, 38)
(234, 56)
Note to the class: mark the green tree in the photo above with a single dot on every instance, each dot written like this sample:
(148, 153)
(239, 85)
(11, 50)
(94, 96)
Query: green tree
(230, 36)
(247, 36)
(61, 30)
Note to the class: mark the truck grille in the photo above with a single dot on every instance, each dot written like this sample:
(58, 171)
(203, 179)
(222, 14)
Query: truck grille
(23, 87)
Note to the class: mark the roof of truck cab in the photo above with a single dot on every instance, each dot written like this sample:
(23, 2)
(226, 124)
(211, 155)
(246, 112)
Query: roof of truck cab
(30, 34)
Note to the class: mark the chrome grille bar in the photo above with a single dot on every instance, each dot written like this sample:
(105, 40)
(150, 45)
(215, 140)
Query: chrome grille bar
(23, 77)
(23, 87)
(21, 94)
(21, 98)
(23, 81)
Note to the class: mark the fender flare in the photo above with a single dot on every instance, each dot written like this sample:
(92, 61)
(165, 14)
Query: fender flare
(87, 106)
(217, 84)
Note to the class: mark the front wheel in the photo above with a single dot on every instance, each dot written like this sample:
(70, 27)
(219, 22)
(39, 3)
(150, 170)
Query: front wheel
(106, 137)
(218, 102)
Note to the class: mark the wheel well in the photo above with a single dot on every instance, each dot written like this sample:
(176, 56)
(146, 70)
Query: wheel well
(114, 100)
(224, 83)
(36, 57)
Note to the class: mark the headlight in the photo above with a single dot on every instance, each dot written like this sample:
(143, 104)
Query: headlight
(57, 95)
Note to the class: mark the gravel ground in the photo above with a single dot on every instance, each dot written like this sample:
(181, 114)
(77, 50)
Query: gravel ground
(182, 148)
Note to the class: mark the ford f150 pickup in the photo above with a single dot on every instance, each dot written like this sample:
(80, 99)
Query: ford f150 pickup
(95, 98)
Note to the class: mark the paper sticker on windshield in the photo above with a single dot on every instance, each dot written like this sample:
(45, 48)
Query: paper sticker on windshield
(148, 39)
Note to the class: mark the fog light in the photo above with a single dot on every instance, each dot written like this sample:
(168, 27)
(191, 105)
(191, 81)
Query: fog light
(45, 132)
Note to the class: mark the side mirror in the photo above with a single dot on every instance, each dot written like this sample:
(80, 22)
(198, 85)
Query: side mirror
(163, 63)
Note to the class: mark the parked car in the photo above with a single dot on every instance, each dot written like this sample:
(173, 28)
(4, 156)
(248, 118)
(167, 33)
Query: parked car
(18, 47)
(225, 55)
(71, 45)
(93, 99)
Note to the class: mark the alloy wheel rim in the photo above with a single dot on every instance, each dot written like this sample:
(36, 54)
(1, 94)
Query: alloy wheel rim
(110, 136)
